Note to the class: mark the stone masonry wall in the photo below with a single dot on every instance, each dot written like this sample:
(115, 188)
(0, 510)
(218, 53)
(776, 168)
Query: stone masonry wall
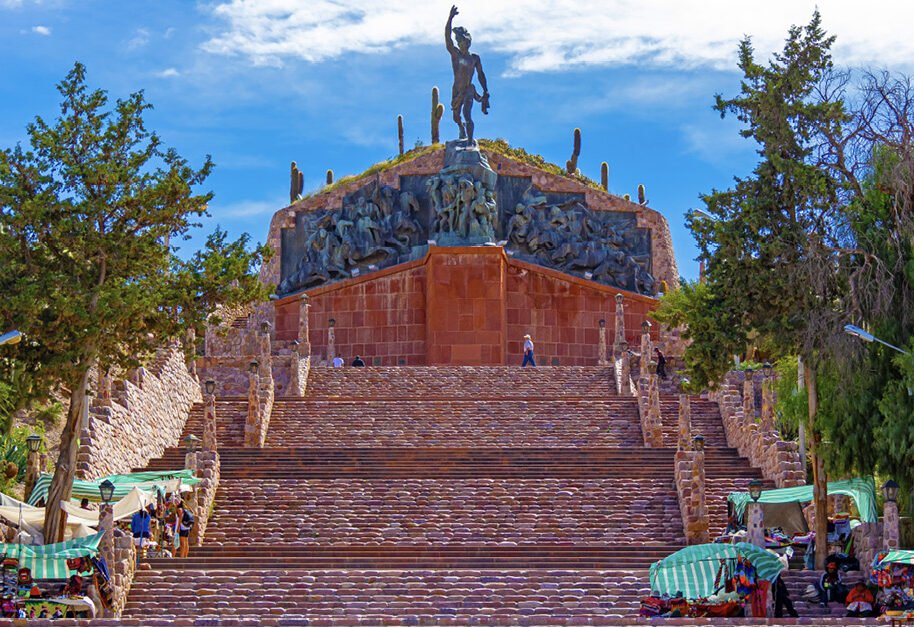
(142, 417)
(778, 460)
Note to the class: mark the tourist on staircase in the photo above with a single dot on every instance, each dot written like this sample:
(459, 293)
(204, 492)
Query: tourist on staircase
(338, 362)
(357, 362)
(185, 521)
(528, 352)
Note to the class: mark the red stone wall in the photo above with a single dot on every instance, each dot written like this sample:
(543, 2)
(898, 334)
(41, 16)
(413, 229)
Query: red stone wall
(466, 312)
(380, 315)
(465, 306)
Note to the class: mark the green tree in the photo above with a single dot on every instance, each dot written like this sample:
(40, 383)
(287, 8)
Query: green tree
(775, 243)
(87, 217)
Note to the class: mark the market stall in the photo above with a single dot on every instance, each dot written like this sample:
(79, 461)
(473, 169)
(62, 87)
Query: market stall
(893, 572)
(32, 578)
(712, 580)
(785, 524)
(164, 482)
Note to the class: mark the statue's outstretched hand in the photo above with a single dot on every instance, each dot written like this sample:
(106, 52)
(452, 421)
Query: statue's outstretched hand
(454, 11)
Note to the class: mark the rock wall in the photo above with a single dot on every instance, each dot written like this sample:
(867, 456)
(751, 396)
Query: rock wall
(778, 460)
(142, 416)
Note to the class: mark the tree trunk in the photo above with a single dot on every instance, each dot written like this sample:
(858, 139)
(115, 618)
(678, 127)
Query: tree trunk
(819, 480)
(55, 519)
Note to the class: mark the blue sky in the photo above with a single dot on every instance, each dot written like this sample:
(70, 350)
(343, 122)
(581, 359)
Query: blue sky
(257, 84)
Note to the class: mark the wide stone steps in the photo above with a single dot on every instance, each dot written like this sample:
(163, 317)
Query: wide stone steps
(231, 414)
(705, 420)
(535, 422)
(407, 597)
(408, 557)
(430, 463)
(321, 512)
(460, 382)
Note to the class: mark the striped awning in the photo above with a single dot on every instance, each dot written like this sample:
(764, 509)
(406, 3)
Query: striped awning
(49, 561)
(863, 491)
(693, 570)
(167, 481)
(897, 557)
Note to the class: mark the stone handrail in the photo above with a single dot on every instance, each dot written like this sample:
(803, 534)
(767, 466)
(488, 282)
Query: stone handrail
(690, 488)
(779, 460)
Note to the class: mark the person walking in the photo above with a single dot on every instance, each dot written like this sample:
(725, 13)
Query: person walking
(357, 362)
(661, 364)
(528, 352)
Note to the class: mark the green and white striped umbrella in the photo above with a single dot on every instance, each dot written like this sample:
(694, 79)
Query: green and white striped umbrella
(693, 570)
(123, 484)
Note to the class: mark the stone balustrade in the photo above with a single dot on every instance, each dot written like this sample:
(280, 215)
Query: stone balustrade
(129, 424)
(649, 407)
(690, 486)
(778, 460)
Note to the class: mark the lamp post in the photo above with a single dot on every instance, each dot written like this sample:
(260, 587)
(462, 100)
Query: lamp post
(867, 337)
(755, 520)
(698, 443)
(32, 464)
(891, 528)
(13, 337)
(190, 451)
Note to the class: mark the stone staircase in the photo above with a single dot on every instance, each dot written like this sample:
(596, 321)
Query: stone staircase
(490, 495)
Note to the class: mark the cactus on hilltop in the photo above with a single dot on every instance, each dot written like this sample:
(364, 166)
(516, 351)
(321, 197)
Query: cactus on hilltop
(296, 182)
(437, 113)
(329, 177)
(571, 166)
(400, 131)
(604, 176)
(642, 199)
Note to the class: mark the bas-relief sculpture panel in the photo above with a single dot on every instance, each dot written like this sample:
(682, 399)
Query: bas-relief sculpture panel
(465, 204)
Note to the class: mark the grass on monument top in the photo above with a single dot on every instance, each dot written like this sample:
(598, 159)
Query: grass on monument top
(499, 146)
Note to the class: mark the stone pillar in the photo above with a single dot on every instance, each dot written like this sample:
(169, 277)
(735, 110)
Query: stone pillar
(331, 342)
(647, 346)
(210, 442)
(651, 423)
(685, 424)
(625, 372)
(208, 470)
(304, 329)
(755, 524)
(697, 531)
(768, 402)
(251, 425)
(190, 460)
(620, 324)
(32, 471)
(107, 545)
(602, 361)
(749, 397)
(891, 531)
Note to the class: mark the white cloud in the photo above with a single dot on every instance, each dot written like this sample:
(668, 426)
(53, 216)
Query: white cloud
(41, 30)
(168, 73)
(549, 35)
(169, 32)
(139, 40)
(245, 208)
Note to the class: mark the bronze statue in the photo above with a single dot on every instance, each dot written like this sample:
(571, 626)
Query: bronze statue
(465, 64)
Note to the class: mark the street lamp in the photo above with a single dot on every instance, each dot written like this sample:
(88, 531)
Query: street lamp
(698, 213)
(890, 491)
(34, 443)
(332, 322)
(13, 337)
(106, 489)
(210, 386)
(190, 443)
(755, 490)
(698, 442)
(264, 327)
(602, 323)
(646, 326)
(868, 337)
(252, 367)
(766, 369)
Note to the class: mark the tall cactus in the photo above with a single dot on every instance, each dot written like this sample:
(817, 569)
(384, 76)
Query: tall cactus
(437, 113)
(571, 166)
(642, 199)
(329, 177)
(296, 182)
(400, 131)
(604, 176)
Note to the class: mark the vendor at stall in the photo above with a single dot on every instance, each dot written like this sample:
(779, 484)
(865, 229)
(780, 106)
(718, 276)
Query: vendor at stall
(860, 601)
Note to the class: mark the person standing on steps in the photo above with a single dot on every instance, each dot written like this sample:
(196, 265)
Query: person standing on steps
(528, 352)
(338, 362)
(357, 362)
(661, 364)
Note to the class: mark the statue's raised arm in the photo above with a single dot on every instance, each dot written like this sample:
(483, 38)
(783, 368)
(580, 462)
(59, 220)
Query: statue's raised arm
(465, 66)
(448, 41)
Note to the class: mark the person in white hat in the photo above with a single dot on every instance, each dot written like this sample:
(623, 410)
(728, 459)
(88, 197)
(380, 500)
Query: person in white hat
(528, 352)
